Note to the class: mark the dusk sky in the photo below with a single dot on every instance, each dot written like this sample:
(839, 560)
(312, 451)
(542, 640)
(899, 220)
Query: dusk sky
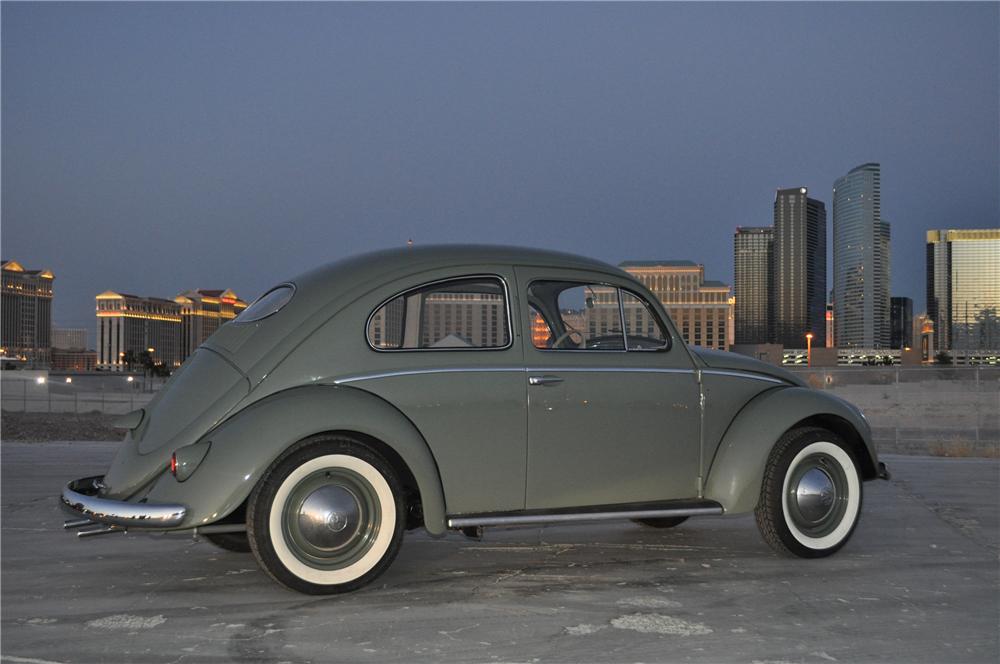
(153, 148)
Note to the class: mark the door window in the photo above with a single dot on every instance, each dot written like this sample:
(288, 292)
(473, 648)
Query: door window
(573, 316)
(642, 327)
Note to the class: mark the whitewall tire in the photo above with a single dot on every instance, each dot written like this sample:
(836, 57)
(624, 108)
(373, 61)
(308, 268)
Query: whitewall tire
(811, 495)
(327, 517)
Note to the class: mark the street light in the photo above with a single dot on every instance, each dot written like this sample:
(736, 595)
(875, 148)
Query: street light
(809, 348)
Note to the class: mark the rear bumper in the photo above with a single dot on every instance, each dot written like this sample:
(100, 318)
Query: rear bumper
(80, 497)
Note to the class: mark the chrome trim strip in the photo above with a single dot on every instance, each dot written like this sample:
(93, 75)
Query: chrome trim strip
(514, 520)
(611, 370)
(420, 372)
(741, 374)
(487, 275)
(78, 497)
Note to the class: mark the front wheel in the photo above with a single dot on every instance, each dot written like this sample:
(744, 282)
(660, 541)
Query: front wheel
(810, 499)
(327, 517)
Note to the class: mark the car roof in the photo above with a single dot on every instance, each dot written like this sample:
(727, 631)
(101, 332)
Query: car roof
(362, 267)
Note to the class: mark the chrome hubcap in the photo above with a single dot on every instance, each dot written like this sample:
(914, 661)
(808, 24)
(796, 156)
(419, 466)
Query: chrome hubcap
(815, 495)
(329, 517)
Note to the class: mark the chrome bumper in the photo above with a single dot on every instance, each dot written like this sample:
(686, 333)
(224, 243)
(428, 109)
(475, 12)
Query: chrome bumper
(80, 497)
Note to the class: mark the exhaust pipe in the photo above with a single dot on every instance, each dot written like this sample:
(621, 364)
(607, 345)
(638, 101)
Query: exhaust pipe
(101, 531)
(76, 523)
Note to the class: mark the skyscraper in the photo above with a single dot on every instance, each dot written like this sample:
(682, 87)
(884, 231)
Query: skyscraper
(799, 269)
(902, 323)
(963, 288)
(860, 260)
(753, 258)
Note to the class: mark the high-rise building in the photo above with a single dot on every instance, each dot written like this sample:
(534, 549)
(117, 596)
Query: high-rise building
(129, 324)
(69, 338)
(963, 288)
(860, 260)
(26, 309)
(202, 313)
(902, 323)
(752, 269)
(698, 308)
(798, 269)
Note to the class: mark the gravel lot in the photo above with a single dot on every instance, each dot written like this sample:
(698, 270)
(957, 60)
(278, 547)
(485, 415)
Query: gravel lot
(918, 583)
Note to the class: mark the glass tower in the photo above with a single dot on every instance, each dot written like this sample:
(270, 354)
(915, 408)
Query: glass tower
(860, 260)
(753, 258)
(963, 288)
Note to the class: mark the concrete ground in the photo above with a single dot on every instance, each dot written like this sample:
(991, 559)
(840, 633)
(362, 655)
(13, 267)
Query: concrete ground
(917, 583)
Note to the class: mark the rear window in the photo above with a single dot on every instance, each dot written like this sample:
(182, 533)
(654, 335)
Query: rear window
(269, 303)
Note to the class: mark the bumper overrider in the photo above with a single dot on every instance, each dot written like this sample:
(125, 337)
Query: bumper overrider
(81, 498)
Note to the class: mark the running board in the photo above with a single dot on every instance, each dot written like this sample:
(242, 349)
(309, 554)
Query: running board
(670, 508)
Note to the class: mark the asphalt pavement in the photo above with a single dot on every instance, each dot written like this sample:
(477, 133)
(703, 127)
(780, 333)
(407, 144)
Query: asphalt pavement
(919, 582)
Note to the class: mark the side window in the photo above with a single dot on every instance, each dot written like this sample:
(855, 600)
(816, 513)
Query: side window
(573, 316)
(642, 328)
(455, 314)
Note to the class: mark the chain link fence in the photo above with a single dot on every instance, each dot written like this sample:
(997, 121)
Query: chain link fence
(949, 411)
(40, 392)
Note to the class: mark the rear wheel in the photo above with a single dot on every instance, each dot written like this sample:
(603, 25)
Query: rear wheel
(810, 499)
(327, 517)
(662, 522)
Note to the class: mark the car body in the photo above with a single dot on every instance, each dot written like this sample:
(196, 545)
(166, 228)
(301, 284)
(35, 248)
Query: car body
(460, 387)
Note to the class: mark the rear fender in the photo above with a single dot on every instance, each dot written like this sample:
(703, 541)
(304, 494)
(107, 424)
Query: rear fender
(245, 445)
(735, 475)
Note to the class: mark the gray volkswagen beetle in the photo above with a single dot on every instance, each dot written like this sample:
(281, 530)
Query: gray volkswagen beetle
(461, 387)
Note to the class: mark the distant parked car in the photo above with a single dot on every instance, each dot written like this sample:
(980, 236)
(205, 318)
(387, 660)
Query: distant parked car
(465, 387)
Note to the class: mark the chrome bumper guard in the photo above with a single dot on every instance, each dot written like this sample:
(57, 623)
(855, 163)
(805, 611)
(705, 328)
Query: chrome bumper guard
(80, 497)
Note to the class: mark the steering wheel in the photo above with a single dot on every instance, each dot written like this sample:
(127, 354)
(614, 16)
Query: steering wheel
(568, 334)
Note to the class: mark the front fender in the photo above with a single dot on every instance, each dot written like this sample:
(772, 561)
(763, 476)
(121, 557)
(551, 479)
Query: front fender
(246, 444)
(735, 475)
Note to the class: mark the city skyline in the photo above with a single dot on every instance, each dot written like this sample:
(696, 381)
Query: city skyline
(243, 144)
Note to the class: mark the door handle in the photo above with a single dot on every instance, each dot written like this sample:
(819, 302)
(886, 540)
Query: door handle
(544, 380)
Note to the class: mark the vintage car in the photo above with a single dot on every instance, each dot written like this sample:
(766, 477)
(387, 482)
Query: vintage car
(462, 387)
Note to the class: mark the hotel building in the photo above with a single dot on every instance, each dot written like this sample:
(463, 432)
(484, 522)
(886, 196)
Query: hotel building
(698, 308)
(26, 310)
(129, 323)
(202, 313)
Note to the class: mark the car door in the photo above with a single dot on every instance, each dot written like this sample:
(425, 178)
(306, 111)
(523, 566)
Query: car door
(612, 418)
(441, 347)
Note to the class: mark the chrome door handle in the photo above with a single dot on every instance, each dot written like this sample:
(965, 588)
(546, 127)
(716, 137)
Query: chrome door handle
(544, 380)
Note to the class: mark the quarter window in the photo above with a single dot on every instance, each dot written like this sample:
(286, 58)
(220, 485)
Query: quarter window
(455, 314)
